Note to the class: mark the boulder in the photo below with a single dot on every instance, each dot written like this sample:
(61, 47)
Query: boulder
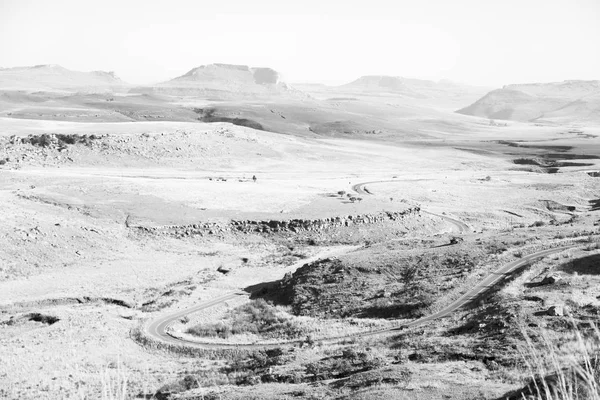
(550, 279)
(224, 270)
(555, 311)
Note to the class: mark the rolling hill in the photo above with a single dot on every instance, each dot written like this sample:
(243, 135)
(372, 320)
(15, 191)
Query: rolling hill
(442, 94)
(565, 101)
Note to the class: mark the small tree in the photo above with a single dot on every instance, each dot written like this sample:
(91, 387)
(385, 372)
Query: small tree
(359, 199)
(352, 199)
(341, 193)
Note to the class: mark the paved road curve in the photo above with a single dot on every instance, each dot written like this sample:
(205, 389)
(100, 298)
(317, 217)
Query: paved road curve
(159, 329)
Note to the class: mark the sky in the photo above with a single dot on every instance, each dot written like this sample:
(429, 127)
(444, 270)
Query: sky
(480, 42)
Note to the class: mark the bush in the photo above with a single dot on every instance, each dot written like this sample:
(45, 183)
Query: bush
(43, 140)
(256, 317)
(59, 139)
(349, 362)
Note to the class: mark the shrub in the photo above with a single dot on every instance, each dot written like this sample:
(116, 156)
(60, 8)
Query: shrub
(349, 362)
(256, 317)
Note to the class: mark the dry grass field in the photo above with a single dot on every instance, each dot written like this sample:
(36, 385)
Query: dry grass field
(274, 243)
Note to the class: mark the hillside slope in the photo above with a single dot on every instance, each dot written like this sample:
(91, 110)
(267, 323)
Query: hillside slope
(567, 101)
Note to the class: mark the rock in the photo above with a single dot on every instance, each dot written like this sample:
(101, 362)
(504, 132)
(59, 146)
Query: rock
(224, 270)
(550, 279)
(455, 240)
(555, 311)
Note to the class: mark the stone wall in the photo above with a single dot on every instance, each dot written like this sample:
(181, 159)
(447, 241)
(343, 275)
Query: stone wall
(281, 226)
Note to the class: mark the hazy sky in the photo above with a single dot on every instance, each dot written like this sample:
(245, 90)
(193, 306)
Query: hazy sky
(486, 42)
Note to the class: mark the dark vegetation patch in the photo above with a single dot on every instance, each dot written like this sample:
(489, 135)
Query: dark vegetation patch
(47, 140)
(493, 352)
(541, 147)
(558, 156)
(390, 376)
(251, 369)
(257, 317)
(35, 317)
(346, 127)
(355, 369)
(480, 336)
(493, 319)
(208, 115)
(372, 285)
(547, 165)
(552, 205)
(548, 157)
(348, 363)
(44, 319)
(589, 265)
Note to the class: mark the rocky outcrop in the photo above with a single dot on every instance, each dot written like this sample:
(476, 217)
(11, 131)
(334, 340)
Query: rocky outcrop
(281, 226)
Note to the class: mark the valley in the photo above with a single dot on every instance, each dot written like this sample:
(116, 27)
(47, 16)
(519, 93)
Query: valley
(227, 235)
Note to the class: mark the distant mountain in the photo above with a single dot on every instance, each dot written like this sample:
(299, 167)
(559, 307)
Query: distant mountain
(227, 81)
(379, 83)
(54, 77)
(568, 100)
(444, 93)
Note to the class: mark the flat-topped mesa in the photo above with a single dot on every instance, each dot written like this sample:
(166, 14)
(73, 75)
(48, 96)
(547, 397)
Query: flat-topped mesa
(228, 74)
(56, 77)
(227, 81)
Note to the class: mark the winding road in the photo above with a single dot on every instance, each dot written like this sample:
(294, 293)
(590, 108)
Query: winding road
(160, 328)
